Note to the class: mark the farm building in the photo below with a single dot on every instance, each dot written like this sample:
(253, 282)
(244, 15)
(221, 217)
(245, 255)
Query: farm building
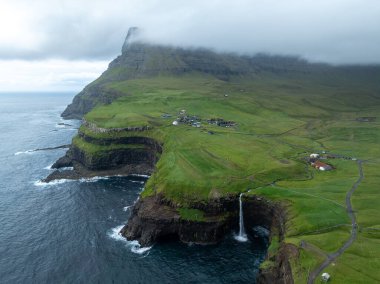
(325, 277)
(321, 166)
(221, 122)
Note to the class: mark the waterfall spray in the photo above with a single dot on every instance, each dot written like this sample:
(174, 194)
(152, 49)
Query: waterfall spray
(242, 237)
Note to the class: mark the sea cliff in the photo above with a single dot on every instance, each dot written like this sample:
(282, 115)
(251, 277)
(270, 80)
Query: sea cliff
(156, 218)
(154, 112)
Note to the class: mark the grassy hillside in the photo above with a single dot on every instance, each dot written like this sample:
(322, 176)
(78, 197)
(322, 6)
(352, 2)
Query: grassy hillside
(279, 120)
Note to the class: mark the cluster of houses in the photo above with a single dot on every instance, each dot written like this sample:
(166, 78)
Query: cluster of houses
(183, 118)
(315, 162)
(221, 122)
(195, 121)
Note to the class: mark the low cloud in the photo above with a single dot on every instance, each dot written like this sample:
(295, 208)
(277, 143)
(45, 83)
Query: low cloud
(48, 75)
(335, 31)
(88, 33)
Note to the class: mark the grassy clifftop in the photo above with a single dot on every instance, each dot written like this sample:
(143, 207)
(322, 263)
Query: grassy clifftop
(278, 111)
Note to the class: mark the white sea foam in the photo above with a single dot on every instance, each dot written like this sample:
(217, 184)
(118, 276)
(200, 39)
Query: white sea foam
(127, 207)
(60, 181)
(241, 239)
(114, 233)
(93, 179)
(53, 182)
(60, 126)
(48, 167)
(134, 246)
(24, 152)
(66, 169)
(138, 181)
(138, 175)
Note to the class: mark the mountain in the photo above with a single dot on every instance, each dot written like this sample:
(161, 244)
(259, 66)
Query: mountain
(141, 59)
(231, 141)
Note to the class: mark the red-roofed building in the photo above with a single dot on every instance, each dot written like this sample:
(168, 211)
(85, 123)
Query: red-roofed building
(321, 166)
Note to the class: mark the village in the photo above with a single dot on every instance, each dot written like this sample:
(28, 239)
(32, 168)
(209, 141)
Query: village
(196, 121)
(314, 160)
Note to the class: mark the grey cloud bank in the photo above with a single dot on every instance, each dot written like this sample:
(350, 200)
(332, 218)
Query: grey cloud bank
(334, 31)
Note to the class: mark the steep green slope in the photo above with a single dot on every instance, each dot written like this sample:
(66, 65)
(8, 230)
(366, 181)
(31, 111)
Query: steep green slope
(280, 110)
(143, 60)
(276, 127)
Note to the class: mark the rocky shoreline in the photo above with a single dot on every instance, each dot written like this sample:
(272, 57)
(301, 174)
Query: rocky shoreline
(113, 162)
(155, 219)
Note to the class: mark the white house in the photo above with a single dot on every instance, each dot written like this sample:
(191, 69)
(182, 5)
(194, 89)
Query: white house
(325, 277)
(175, 122)
(314, 156)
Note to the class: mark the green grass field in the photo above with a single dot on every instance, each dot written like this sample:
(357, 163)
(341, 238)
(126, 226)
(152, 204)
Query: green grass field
(280, 121)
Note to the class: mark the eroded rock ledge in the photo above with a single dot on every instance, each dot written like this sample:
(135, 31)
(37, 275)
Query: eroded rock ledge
(154, 219)
(124, 161)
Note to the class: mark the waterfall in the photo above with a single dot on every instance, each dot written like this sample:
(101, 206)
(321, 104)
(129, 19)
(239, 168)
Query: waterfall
(242, 237)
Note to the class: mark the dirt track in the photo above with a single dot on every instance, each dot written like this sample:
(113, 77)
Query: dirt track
(332, 257)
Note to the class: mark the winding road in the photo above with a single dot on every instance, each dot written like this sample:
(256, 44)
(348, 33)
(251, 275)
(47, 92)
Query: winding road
(332, 257)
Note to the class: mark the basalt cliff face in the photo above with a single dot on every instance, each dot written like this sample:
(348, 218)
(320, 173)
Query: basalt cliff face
(154, 219)
(131, 155)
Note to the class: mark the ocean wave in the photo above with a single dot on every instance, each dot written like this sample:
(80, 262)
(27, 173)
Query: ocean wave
(134, 246)
(53, 182)
(127, 207)
(138, 181)
(48, 167)
(60, 126)
(138, 175)
(93, 179)
(60, 181)
(24, 152)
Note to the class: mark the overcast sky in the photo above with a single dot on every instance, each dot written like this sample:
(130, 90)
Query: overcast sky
(64, 44)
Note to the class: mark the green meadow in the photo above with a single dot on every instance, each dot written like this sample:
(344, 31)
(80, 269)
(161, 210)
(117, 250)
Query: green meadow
(280, 120)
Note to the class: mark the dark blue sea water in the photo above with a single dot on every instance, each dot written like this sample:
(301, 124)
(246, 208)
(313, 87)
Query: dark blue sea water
(67, 232)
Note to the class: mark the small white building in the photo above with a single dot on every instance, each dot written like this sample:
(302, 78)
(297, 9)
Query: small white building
(175, 122)
(314, 156)
(325, 277)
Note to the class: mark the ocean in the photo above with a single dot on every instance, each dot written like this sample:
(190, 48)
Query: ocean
(67, 232)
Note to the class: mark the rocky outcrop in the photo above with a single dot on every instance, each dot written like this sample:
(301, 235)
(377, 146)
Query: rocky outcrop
(281, 271)
(154, 219)
(92, 95)
(63, 162)
(96, 129)
(128, 155)
(259, 211)
(112, 159)
(133, 140)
